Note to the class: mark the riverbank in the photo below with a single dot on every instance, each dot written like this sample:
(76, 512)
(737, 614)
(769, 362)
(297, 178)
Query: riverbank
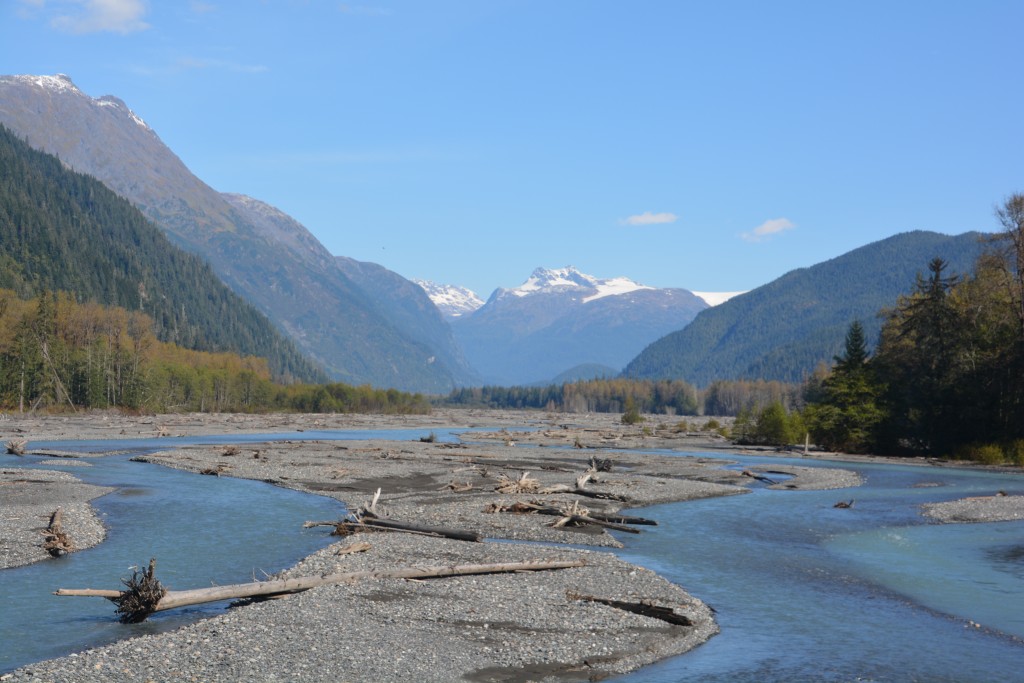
(30, 497)
(496, 628)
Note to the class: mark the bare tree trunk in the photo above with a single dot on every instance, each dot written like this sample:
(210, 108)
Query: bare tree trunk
(175, 599)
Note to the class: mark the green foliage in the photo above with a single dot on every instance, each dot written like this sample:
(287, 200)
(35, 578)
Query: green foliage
(64, 231)
(772, 426)
(986, 454)
(631, 415)
(844, 411)
(948, 376)
(782, 330)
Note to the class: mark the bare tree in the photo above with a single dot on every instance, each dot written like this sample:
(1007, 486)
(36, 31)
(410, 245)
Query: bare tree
(1010, 245)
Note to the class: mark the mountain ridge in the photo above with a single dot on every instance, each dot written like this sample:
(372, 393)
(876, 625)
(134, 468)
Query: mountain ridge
(268, 260)
(65, 231)
(561, 318)
(783, 329)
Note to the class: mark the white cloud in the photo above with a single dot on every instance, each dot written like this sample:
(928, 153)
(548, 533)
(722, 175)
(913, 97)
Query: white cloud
(94, 16)
(648, 218)
(768, 229)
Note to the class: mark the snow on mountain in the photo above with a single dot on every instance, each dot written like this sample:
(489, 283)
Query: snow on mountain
(715, 298)
(453, 301)
(547, 280)
(615, 286)
(61, 84)
(561, 319)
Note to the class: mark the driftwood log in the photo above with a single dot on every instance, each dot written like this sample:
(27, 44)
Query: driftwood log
(645, 608)
(57, 542)
(174, 599)
(367, 518)
(572, 515)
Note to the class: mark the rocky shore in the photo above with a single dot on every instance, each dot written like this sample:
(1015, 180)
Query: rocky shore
(30, 497)
(516, 627)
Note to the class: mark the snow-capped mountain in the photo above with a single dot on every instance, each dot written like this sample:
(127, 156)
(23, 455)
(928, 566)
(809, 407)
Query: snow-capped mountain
(548, 280)
(453, 301)
(562, 318)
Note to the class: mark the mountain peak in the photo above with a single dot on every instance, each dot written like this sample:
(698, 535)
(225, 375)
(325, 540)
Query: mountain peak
(61, 85)
(453, 301)
(57, 82)
(568, 279)
(554, 278)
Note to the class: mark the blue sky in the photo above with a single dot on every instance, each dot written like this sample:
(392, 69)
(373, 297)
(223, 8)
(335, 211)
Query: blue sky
(712, 146)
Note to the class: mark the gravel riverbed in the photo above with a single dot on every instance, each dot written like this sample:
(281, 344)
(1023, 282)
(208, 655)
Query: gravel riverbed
(502, 627)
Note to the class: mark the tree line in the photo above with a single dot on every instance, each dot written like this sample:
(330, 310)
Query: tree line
(947, 377)
(667, 397)
(57, 353)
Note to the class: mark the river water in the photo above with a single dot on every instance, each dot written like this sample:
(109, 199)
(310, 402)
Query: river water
(807, 592)
(803, 591)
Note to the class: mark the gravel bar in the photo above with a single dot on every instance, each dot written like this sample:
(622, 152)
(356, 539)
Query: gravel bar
(997, 508)
(527, 626)
(30, 497)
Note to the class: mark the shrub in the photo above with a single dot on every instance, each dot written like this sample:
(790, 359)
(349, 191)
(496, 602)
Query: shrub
(986, 454)
(632, 415)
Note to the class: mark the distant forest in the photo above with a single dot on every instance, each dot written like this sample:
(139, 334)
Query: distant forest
(666, 397)
(56, 353)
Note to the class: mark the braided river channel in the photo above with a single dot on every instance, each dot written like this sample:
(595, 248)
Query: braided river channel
(803, 591)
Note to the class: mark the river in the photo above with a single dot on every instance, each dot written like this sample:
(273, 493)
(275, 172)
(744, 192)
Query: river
(803, 591)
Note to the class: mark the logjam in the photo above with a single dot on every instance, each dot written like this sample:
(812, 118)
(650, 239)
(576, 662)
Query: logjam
(645, 608)
(174, 599)
(616, 522)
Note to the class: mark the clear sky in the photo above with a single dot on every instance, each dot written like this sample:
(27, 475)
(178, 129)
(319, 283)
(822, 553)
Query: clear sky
(705, 145)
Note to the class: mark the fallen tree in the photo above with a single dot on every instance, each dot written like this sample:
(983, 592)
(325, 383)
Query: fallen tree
(366, 518)
(144, 595)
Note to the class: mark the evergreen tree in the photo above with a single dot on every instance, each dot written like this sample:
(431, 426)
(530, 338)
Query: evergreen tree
(843, 413)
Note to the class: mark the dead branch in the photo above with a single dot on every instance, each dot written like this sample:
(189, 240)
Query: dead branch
(525, 484)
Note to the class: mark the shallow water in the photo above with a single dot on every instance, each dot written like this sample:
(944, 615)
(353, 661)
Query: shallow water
(203, 531)
(807, 592)
(803, 591)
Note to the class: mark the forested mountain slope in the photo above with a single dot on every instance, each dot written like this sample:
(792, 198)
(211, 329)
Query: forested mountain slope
(62, 230)
(278, 266)
(782, 330)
